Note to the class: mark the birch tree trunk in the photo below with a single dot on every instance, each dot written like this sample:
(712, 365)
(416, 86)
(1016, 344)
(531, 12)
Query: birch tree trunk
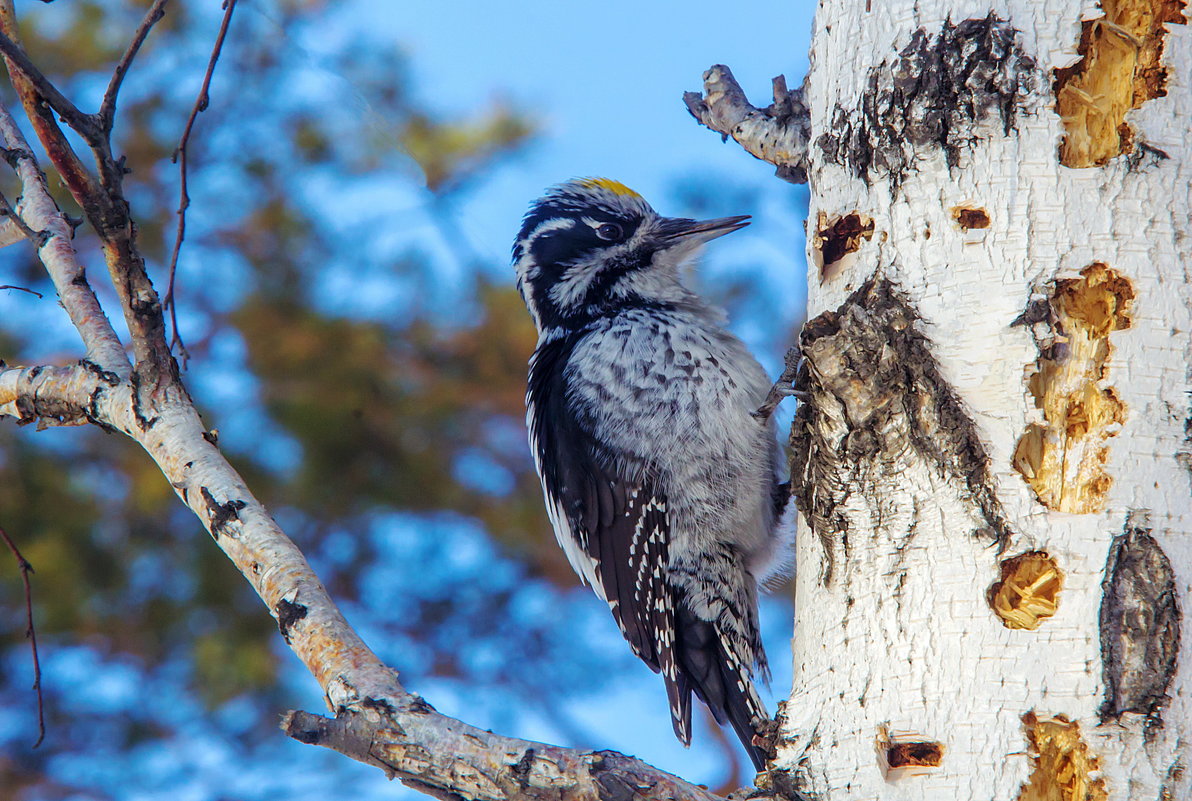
(993, 460)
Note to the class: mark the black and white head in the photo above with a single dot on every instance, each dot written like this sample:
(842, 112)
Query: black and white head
(593, 246)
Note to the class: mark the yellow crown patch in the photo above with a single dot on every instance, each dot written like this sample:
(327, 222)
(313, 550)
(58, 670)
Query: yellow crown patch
(616, 187)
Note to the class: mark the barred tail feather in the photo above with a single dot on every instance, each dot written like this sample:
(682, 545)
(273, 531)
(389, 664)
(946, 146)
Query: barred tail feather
(720, 678)
(678, 692)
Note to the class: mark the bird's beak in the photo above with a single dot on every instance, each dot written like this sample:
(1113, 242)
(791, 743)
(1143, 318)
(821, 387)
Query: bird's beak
(676, 229)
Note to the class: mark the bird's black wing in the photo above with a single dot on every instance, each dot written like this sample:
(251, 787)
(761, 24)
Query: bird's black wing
(612, 525)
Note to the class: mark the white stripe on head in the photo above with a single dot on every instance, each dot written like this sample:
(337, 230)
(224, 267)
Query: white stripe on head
(525, 268)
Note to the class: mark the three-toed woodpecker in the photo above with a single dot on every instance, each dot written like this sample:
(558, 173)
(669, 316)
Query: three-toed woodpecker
(660, 483)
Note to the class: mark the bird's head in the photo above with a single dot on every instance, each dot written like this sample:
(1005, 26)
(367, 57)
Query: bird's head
(592, 246)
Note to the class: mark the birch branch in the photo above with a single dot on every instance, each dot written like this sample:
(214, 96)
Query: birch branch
(778, 134)
(102, 199)
(377, 721)
(56, 252)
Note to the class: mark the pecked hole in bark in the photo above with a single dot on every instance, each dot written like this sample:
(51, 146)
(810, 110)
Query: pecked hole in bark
(1063, 458)
(902, 754)
(1120, 69)
(971, 218)
(1028, 590)
(837, 238)
(1063, 769)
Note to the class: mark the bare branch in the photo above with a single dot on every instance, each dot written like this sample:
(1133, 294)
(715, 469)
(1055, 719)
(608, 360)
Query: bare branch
(31, 633)
(15, 55)
(106, 208)
(444, 758)
(58, 254)
(38, 238)
(779, 134)
(107, 109)
(180, 157)
(10, 233)
(41, 115)
(21, 288)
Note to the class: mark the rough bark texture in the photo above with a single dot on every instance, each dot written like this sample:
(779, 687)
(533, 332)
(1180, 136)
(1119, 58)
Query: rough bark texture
(991, 457)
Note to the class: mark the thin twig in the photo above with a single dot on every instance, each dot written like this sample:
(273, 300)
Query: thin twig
(107, 109)
(82, 122)
(31, 633)
(180, 158)
(22, 289)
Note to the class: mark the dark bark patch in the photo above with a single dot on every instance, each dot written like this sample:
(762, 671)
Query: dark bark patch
(521, 768)
(969, 218)
(379, 704)
(138, 403)
(221, 515)
(106, 376)
(877, 397)
(1140, 625)
(288, 614)
(419, 705)
(938, 93)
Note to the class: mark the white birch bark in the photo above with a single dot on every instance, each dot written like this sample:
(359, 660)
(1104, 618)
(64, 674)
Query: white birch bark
(997, 362)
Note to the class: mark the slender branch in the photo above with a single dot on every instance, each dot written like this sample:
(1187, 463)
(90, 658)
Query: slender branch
(106, 208)
(30, 633)
(21, 288)
(779, 134)
(38, 238)
(85, 124)
(180, 156)
(58, 254)
(45, 124)
(107, 109)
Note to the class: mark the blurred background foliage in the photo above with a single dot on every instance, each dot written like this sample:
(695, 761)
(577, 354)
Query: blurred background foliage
(365, 369)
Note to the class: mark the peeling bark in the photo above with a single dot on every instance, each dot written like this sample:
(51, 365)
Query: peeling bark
(877, 399)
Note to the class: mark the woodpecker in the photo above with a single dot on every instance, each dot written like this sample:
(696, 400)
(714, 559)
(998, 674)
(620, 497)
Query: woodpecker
(661, 484)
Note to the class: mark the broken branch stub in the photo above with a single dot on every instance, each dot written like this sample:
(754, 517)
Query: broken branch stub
(778, 134)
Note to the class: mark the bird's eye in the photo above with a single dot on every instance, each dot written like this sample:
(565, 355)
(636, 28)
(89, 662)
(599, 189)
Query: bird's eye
(609, 232)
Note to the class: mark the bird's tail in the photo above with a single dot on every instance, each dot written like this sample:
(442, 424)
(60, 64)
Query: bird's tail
(721, 676)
